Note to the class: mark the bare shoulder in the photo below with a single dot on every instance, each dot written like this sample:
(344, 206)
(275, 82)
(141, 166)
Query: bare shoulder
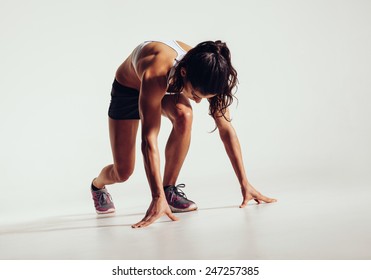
(155, 59)
(158, 57)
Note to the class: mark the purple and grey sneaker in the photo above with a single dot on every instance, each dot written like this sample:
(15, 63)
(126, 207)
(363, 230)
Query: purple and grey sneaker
(177, 199)
(103, 201)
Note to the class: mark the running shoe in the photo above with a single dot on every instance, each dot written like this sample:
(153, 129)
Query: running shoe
(177, 199)
(102, 201)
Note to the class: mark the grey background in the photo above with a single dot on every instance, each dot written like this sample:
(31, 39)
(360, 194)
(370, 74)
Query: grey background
(303, 116)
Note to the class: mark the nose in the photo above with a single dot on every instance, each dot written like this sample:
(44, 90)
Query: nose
(198, 100)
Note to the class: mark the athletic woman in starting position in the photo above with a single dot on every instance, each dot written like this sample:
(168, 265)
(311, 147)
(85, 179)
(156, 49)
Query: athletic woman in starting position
(159, 78)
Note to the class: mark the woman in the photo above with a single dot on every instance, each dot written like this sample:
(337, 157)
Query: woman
(160, 78)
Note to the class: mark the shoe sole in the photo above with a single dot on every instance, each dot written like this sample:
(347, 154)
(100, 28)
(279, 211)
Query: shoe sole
(109, 211)
(177, 210)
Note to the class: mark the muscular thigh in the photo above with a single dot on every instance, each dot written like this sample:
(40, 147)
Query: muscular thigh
(123, 137)
(172, 107)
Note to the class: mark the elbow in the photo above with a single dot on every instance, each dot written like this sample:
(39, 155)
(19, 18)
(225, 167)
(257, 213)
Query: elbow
(227, 134)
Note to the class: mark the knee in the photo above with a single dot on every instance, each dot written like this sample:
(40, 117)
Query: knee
(183, 119)
(123, 174)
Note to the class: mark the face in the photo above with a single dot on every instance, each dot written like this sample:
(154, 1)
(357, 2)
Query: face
(193, 94)
(190, 92)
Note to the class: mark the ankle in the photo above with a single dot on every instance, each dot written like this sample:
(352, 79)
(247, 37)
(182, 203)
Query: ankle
(95, 186)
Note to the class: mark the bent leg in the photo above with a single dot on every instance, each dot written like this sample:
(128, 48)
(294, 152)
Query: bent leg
(123, 134)
(180, 114)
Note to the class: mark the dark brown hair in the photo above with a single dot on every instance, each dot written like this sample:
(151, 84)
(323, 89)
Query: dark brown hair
(209, 70)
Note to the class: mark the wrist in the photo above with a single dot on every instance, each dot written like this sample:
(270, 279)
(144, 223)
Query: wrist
(158, 194)
(244, 184)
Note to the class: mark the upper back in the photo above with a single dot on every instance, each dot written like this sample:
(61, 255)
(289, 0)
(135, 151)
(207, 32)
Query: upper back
(156, 57)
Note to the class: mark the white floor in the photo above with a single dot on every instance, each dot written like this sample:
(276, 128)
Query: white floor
(322, 220)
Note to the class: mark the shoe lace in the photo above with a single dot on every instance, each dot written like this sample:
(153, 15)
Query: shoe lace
(103, 197)
(176, 191)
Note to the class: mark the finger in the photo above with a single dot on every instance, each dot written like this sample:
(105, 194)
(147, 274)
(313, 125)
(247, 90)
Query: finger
(244, 203)
(149, 221)
(246, 200)
(145, 218)
(146, 221)
(265, 199)
(140, 223)
(153, 218)
(172, 216)
(137, 225)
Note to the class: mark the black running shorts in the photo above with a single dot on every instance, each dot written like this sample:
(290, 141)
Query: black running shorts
(124, 103)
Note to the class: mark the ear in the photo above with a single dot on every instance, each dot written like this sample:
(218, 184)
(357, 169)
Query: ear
(183, 72)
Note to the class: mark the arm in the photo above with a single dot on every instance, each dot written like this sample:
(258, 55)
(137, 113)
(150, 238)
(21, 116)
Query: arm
(151, 94)
(232, 146)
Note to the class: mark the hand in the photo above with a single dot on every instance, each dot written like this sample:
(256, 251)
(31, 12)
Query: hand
(157, 209)
(250, 193)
